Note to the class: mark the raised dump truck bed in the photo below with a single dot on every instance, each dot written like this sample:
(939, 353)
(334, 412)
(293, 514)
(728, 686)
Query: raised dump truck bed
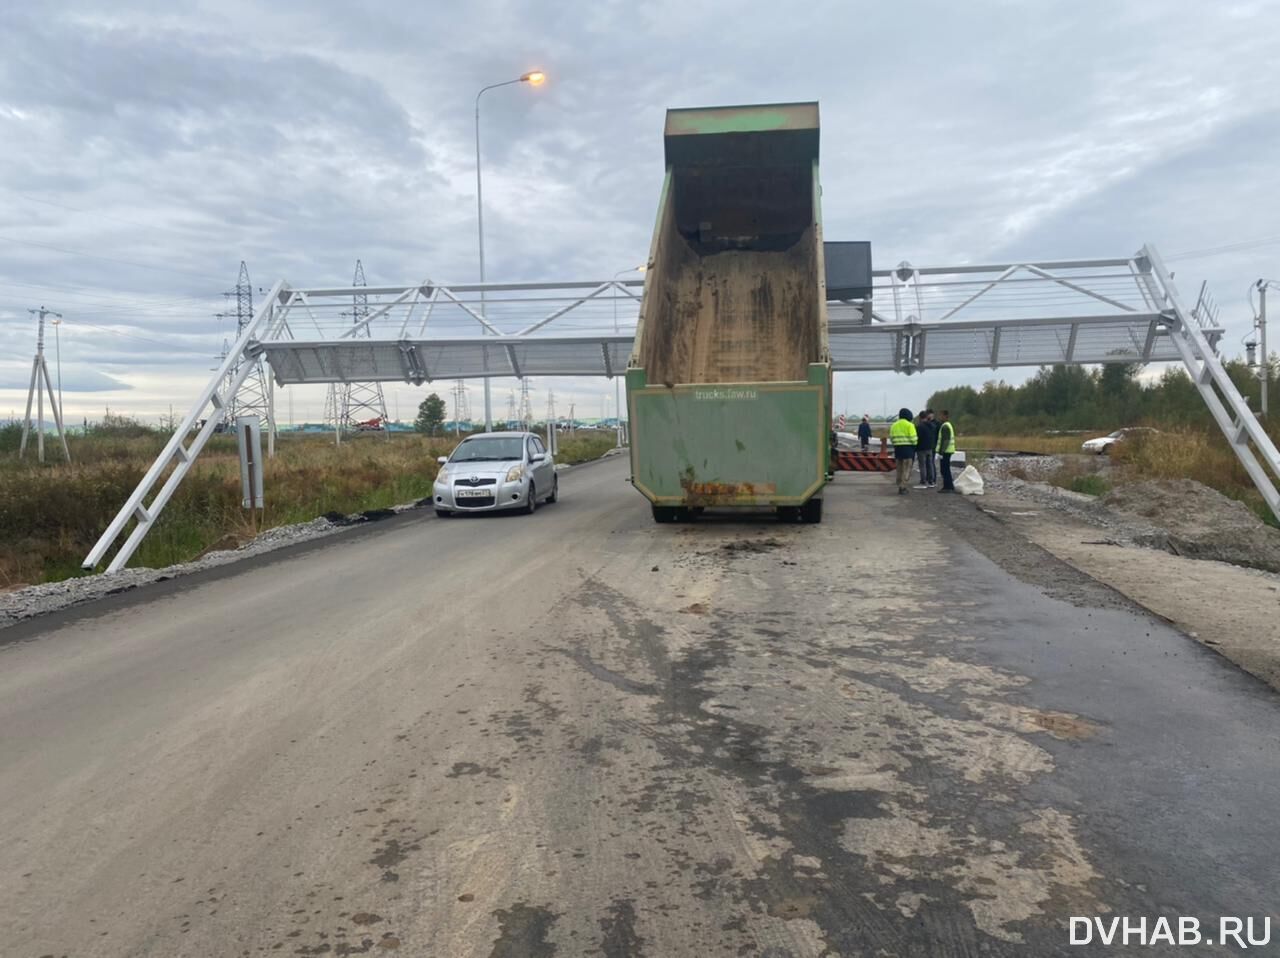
(729, 382)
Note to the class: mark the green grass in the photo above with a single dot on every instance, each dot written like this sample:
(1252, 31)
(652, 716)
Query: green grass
(1093, 485)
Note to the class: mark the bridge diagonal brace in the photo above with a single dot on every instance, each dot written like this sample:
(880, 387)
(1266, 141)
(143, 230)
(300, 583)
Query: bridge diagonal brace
(363, 326)
(1248, 440)
(1083, 290)
(448, 294)
(547, 320)
(177, 452)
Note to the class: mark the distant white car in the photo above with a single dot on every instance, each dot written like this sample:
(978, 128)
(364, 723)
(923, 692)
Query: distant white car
(1102, 445)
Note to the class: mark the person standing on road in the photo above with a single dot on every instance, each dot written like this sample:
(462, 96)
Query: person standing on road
(902, 435)
(946, 447)
(926, 435)
(864, 432)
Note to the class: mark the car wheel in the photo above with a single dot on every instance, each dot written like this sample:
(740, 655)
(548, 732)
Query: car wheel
(555, 490)
(531, 506)
(1105, 450)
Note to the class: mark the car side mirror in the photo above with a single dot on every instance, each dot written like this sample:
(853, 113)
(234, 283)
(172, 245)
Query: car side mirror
(442, 459)
(538, 457)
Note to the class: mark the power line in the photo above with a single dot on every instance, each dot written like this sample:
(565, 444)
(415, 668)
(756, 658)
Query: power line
(93, 290)
(151, 227)
(145, 339)
(105, 259)
(1229, 248)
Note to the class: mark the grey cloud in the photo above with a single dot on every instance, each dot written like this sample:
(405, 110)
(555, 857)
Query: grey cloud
(301, 135)
(74, 379)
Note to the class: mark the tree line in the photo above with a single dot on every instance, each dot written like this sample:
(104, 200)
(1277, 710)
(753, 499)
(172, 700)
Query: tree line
(1083, 397)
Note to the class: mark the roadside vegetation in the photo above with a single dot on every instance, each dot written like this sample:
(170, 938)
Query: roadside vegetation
(51, 515)
(1061, 406)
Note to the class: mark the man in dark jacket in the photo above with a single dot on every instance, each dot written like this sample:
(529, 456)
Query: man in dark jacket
(927, 431)
(864, 432)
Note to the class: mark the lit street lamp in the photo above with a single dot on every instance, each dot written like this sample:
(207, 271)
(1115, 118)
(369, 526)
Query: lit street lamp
(617, 386)
(533, 78)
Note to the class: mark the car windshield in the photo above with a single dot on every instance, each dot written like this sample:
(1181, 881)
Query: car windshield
(489, 449)
(1117, 434)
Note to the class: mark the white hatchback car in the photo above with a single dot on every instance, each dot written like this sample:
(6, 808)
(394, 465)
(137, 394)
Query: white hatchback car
(495, 470)
(1102, 445)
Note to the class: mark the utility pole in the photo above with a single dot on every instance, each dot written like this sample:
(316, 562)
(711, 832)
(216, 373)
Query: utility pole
(551, 422)
(40, 384)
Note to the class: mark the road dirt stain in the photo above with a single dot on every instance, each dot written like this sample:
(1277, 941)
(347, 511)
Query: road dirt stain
(523, 931)
(392, 854)
(618, 938)
(1063, 725)
(461, 769)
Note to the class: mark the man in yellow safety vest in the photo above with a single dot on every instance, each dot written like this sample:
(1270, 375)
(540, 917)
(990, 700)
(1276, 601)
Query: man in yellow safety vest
(946, 447)
(903, 437)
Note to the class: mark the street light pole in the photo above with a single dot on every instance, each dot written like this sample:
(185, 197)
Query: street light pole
(58, 361)
(533, 78)
(1262, 342)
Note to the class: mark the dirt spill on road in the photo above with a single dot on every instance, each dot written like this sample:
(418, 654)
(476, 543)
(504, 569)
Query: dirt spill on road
(878, 769)
(523, 931)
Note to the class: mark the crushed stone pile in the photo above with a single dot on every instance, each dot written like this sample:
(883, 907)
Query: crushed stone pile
(1193, 520)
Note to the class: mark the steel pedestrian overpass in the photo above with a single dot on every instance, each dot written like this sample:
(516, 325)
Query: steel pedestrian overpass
(911, 319)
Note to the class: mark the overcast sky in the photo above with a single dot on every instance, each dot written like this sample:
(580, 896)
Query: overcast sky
(149, 147)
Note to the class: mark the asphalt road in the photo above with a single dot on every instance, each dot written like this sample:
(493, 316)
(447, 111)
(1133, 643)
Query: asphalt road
(901, 732)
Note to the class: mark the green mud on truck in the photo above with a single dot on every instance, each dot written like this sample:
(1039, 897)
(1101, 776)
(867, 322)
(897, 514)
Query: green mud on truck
(729, 382)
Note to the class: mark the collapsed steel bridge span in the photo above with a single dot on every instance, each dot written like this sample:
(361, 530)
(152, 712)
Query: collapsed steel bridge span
(906, 319)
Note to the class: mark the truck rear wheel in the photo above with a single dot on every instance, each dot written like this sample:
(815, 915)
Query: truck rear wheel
(665, 513)
(811, 511)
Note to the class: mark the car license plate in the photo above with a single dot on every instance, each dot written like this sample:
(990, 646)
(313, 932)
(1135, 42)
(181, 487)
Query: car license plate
(473, 493)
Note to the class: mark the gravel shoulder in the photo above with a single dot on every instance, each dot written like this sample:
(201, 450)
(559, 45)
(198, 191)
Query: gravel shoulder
(1228, 608)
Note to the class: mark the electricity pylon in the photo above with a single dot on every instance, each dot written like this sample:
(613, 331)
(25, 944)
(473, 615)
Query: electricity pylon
(350, 404)
(40, 384)
(254, 397)
(526, 405)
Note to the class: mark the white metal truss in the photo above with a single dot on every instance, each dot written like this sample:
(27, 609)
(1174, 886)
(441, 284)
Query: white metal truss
(1124, 309)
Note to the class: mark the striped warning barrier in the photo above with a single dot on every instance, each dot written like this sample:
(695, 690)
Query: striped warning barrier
(849, 461)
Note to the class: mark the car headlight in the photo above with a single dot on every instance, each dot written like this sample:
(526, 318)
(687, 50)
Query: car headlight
(515, 473)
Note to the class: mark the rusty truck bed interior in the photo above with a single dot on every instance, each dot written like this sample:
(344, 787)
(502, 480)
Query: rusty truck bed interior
(735, 287)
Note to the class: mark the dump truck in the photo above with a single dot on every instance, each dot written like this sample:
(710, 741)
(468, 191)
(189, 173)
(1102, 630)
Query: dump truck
(729, 380)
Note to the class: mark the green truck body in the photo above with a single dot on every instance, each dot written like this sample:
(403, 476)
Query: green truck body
(729, 382)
